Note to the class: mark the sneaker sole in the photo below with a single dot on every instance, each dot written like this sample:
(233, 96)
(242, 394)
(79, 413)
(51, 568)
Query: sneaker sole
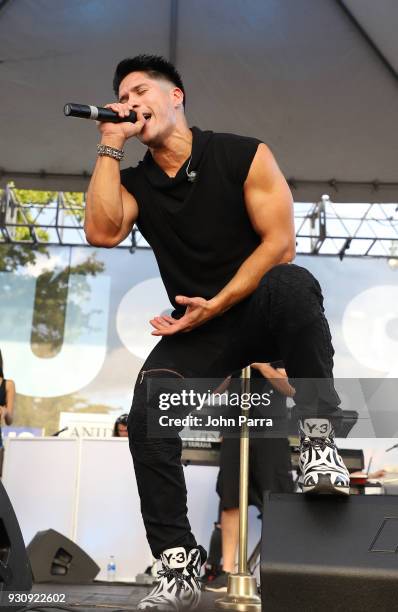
(325, 486)
(215, 590)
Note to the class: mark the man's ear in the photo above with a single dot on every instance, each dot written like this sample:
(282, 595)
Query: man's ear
(178, 97)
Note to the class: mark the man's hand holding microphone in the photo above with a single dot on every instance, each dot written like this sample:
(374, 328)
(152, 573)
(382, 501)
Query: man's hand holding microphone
(116, 134)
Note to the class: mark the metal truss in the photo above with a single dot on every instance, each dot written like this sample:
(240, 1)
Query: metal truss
(323, 228)
(347, 230)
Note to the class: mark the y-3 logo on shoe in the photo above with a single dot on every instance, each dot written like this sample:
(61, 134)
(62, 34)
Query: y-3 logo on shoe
(178, 558)
(321, 428)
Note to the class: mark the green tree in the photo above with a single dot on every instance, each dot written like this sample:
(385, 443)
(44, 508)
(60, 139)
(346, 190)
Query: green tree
(14, 256)
(73, 199)
(73, 204)
(48, 323)
(44, 412)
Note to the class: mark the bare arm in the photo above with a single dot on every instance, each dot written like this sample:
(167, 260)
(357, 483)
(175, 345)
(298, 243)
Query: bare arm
(111, 210)
(8, 410)
(277, 377)
(269, 204)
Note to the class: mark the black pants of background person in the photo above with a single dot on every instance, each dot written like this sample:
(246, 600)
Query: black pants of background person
(269, 470)
(283, 319)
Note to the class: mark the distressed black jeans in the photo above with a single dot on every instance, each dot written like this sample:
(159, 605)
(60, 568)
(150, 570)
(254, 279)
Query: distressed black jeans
(282, 320)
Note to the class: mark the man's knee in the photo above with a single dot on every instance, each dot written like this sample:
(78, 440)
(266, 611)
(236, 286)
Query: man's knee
(278, 270)
(295, 296)
(293, 275)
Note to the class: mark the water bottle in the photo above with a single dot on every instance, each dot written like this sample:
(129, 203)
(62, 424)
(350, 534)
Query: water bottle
(111, 569)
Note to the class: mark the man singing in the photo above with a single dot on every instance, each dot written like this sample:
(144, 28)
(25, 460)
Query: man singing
(217, 212)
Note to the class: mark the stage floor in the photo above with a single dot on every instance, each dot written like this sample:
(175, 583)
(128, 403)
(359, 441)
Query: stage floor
(107, 596)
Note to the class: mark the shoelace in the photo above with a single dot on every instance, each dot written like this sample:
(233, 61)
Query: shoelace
(171, 573)
(322, 442)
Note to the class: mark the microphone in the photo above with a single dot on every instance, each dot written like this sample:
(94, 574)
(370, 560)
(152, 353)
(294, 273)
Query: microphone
(98, 113)
(54, 435)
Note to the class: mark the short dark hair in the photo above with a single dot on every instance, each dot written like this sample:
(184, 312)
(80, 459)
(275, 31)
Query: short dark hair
(1, 366)
(122, 420)
(155, 66)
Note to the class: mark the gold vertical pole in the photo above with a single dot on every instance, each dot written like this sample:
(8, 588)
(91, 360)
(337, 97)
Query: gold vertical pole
(242, 587)
(244, 477)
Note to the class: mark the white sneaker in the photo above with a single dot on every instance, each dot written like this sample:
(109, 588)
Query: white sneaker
(178, 586)
(322, 468)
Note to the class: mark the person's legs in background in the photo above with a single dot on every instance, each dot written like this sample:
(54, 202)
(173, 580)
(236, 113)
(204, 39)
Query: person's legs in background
(269, 466)
(213, 565)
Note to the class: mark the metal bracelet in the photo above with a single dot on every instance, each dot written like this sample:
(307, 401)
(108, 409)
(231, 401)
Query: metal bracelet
(108, 151)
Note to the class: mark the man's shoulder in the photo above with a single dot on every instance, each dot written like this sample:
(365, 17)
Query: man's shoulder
(228, 138)
(236, 152)
(235, 146)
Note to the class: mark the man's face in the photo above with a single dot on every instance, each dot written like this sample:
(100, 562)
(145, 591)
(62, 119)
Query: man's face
(157, 100)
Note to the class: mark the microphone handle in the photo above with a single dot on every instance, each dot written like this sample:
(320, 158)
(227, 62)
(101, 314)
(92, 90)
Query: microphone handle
(98, 113)
(54, 435)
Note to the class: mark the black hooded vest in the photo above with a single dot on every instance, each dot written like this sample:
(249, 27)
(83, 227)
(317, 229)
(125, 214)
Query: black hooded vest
(199, 231)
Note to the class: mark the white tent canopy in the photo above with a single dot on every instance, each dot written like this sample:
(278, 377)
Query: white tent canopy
(314, 79)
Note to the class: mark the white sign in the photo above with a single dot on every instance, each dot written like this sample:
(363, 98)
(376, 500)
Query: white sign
(89, 425)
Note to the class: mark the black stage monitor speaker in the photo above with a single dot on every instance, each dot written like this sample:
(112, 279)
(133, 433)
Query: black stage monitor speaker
(55, 558)
(15, 573)
(329, 553)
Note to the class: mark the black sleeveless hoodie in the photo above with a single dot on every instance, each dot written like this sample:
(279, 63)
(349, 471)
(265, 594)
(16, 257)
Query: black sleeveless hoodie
(199, 231)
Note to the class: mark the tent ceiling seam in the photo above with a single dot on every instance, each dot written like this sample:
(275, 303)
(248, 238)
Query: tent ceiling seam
(368, 39)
